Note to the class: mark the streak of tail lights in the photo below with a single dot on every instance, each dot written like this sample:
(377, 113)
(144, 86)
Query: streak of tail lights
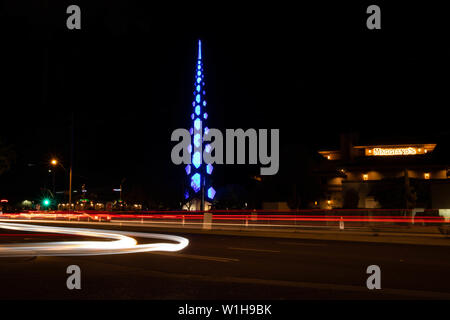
(122, 243)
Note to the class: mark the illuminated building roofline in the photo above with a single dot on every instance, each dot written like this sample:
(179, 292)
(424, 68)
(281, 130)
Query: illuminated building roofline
(430, 146)
(385, 150)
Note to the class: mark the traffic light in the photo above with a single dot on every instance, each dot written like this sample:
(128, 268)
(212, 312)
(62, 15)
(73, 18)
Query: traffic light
(46, 202)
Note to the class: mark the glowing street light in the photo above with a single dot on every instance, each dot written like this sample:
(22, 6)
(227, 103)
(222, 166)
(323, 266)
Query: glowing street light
(54, 162)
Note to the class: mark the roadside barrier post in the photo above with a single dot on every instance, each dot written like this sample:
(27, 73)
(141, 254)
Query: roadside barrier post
(341, 224)
(207, 220)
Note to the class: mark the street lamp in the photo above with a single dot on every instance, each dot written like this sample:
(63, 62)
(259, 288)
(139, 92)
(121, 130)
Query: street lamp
(54, 162)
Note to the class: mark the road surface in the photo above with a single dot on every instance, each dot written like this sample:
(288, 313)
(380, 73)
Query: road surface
(237, 267)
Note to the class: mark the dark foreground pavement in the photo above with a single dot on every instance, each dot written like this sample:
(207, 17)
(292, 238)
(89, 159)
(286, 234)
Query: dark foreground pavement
(239, 267)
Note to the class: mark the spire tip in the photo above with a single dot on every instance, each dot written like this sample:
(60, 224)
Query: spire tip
(199, 49)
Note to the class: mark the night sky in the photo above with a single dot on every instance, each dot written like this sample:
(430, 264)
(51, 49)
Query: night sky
(313, 71)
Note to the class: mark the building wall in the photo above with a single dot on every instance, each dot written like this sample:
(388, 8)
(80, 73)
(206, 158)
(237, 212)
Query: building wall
(431, 189)
(335, 182)
(275, 206)
(440, 195)
(379, 175)
(373, 175)
(362, 189)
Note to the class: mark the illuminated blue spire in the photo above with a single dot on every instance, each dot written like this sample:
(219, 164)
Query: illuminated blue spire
(198, 174)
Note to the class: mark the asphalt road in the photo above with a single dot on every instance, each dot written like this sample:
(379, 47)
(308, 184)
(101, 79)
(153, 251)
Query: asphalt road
(238, 267)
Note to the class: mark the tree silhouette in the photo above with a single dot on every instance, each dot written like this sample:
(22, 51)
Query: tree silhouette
(7, 157)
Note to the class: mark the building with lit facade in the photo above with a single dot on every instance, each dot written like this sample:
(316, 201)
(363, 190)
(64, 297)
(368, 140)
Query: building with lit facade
(406, 175)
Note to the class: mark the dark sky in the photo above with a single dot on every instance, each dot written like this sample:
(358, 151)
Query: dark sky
(313, 71)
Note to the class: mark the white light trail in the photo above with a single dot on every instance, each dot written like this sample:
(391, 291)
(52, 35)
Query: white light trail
(123, 243)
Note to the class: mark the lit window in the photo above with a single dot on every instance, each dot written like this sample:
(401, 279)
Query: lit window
(198, 88)
(188, 169)
(197, 98)
(427, 175)
(209, 169)
(205, 115)
(365, 177)
(329, 157)
(197, 110)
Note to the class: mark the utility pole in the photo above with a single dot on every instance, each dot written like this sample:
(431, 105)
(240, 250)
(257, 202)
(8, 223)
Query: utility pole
(121, 187)
(71, 160)
(54, 181)
(202, 201)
